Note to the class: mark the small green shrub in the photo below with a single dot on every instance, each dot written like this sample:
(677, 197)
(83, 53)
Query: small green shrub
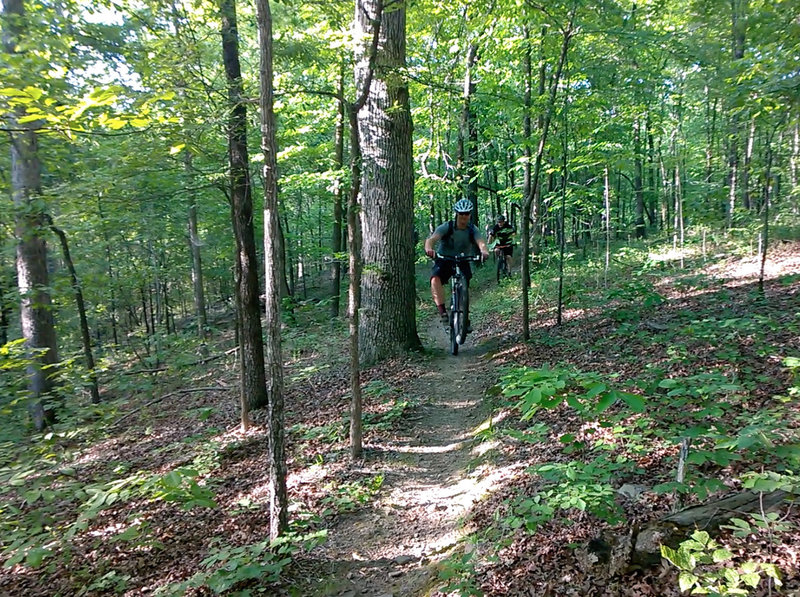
(227, 567)
(700, 560)
(587, 393)
(458, 572)
(347, 497)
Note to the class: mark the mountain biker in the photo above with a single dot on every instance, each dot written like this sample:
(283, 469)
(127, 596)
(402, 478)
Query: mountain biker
(503, 232)
(453, 238)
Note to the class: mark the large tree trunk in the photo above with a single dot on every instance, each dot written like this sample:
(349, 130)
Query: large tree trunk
(254, 393)
(36, 312)
(388, 321)
(279, 501)
(365, 67)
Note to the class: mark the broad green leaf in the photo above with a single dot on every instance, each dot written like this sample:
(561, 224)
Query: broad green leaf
(686, 580)
(606, 400)
(721, 555)
(636, 403)
(731, 576)
(751, 579)
(36, 555)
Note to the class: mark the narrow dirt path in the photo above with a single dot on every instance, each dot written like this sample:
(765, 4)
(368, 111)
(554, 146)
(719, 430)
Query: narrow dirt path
(432, 477)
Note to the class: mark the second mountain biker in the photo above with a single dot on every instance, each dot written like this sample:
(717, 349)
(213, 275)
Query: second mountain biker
(502, 232)
(452, 238)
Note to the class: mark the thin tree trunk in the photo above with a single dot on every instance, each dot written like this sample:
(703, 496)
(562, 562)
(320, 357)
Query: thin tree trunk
(765, 221)
(738, 33)
(468, 135)
(748, 159)
(279, 501)
(85, 335)
(652, 187)
(526, 209)
(198, 291)
(338, 196)
(794, 161)
(562, 212)
(252, 373)
(527, 72)
(607, 215)
(638, 182)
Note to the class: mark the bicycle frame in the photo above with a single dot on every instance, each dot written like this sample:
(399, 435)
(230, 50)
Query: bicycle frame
(459, 301)
(502, 266)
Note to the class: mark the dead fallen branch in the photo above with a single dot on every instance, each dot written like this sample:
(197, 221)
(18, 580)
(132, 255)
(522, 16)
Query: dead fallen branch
(612, 555)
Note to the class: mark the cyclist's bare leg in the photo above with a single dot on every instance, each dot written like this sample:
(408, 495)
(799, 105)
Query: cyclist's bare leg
(437, 291)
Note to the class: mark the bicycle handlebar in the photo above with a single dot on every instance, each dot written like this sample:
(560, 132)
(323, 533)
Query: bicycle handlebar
(457, 258)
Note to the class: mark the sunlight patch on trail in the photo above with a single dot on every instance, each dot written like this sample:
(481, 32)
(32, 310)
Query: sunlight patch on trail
(451, 447)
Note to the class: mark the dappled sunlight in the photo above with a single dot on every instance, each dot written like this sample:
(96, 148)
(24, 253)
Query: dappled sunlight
(309, 475)
(423, 449)
(439, 507)
(491, 422)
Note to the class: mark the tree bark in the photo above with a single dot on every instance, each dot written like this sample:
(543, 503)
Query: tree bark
(252, 373)
(279, 501)
(36, 311)
(388, 318)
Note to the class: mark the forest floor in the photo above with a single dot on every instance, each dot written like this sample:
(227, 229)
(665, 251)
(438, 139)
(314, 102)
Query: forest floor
(433, 476)
(456, 493)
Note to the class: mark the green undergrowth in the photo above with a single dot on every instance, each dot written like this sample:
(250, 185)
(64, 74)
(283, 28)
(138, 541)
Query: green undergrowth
(705, 373)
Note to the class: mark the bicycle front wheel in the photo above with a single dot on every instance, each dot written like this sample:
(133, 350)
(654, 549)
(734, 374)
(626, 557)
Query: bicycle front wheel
(456, 317)
(463, 312)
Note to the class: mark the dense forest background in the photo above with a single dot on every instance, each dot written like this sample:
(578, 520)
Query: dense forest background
(125, 220)
(665, 117)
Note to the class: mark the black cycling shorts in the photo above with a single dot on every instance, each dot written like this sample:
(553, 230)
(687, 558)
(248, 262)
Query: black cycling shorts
(444, 270)
(507, 250)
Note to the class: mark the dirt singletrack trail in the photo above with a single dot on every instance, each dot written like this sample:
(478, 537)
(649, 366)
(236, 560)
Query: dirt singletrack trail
(432, 476)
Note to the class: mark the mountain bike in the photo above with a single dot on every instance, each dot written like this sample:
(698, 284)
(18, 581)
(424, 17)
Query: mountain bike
(502, 266)
(459, 300)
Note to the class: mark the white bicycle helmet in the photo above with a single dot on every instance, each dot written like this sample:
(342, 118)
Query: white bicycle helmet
(463, 206)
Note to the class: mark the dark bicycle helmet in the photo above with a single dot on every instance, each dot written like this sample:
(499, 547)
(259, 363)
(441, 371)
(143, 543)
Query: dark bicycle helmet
(463, 206)
(501, 218)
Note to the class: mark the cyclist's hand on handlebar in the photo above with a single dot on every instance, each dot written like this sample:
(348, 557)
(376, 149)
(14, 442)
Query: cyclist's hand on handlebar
(484, 256)
(430, 253)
